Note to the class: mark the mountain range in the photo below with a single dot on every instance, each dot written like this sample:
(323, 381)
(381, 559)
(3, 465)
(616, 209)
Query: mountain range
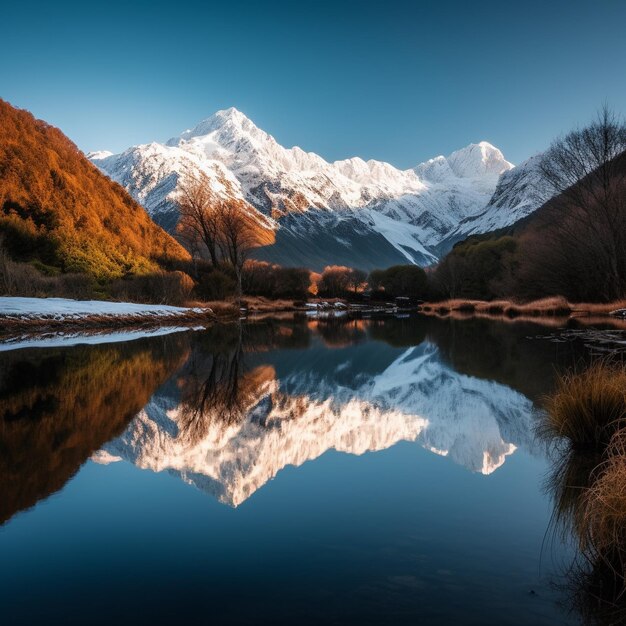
(352, 212)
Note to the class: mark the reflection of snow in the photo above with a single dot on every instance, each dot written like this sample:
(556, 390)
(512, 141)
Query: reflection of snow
(288, 422)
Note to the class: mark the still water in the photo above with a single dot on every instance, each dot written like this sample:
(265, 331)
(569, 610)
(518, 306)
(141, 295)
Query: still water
(283, 471)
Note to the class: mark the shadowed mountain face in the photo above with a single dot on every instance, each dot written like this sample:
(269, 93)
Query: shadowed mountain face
(236, 415)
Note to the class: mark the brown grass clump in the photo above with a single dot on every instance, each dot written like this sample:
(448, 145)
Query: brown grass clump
(588, 484)
(497, 307)
(587, 408)
(604, 537)
(221, 308)
(547, 306)
(598, 308)
(553, 307)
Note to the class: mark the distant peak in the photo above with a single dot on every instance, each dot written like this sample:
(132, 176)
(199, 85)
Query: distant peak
(97, 155)
(230, 113)
(478, 159)
(231, 118)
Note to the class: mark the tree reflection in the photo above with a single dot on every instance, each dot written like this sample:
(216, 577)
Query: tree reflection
(218, 385)
(58, 406)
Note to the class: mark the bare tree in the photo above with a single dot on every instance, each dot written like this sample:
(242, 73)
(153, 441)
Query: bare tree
(584, 225)
(238, 234)
(199, 224)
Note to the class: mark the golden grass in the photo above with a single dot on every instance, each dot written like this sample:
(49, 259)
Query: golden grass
(254, 304)
(588, 483)
(606, 499)
(553, 306)
(597, 308)
(556, 306)
(587, 408)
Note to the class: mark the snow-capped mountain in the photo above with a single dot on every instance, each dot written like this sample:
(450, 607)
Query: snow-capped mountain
(355, 212)
(519, 192)
(289, 421)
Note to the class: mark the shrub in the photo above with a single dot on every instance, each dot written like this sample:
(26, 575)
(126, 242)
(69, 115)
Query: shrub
(339, 281)
(408, 281)
(273, 281)
(173, 288)
(478, 268)
(22, 279)
(587, 408)
(215, 284)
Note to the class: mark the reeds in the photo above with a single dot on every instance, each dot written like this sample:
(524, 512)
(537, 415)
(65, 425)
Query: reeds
(585, 418)
(552, 307)
(587, 408)
(605, 506)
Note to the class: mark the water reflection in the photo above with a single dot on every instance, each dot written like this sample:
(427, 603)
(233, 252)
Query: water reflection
(260, 397)
(226, 409)
(59, 406)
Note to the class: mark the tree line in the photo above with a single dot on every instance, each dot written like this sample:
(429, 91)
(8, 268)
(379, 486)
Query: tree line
(573, 246)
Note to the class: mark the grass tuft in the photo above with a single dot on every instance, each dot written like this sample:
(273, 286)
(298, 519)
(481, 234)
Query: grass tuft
(587, 408)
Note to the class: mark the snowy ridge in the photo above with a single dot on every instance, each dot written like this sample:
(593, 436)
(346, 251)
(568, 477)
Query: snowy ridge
(411, 210)
(519, 192)
(151, 173)
(289, 422)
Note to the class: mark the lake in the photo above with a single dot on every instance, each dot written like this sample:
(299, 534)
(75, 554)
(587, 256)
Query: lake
(284, 471)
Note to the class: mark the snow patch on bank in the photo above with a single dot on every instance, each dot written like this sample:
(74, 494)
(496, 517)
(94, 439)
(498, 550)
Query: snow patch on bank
(64, 308)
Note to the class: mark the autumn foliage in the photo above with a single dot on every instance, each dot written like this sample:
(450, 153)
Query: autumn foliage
(59, 212)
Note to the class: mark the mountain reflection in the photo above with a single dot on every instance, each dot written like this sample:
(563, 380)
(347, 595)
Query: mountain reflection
(227, 408)
(255, 398)
(58, 406)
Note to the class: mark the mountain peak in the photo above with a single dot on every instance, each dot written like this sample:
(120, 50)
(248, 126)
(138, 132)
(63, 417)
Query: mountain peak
(230, 120)
(231, 113)
(478, 159)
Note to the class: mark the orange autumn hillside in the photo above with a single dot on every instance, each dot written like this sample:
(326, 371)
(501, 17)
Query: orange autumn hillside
(59, 212)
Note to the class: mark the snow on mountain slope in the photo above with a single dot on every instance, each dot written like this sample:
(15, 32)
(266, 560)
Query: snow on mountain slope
(410, 211)
(150, 173)
(519, 192)
(417, 397)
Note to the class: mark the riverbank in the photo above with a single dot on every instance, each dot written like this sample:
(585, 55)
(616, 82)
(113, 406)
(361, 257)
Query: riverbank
(53, 314)
(546, 307)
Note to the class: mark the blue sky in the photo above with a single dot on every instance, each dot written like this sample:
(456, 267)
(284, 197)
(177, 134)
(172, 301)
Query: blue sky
(391, 80)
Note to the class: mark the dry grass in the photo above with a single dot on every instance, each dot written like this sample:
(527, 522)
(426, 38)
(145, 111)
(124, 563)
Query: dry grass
(546, 307)
(254, 304)
(606, 499)
(588, 483)
(223, 309)
(587, 408)
(603, 539)
(597, 308)
(260, 304)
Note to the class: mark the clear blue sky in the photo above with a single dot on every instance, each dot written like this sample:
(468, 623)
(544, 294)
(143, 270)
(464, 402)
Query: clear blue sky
(391, 80)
